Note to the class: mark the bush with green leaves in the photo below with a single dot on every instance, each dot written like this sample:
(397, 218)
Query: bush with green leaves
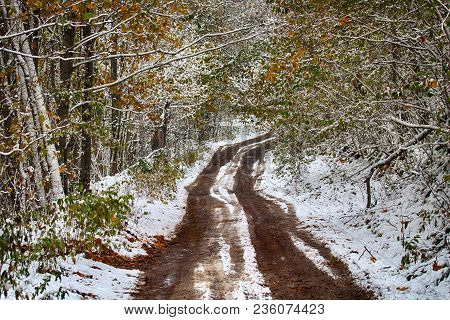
(411, 251)
(35, 242)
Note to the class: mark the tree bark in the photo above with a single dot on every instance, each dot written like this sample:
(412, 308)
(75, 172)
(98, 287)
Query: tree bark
(86, 144)
(35, 92)
(37, 173)
(115, 116)
(66, 69)
(160, 135)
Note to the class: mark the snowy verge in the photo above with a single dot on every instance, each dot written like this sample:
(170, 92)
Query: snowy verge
(329, 200)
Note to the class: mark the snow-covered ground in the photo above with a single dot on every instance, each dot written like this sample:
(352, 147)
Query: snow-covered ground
(329, 200)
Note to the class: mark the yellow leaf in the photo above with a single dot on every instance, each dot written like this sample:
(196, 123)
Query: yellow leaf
(316, 59)
(434, 84)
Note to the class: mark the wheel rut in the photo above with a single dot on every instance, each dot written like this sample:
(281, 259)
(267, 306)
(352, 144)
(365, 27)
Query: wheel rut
(183, 268)
(276, 236)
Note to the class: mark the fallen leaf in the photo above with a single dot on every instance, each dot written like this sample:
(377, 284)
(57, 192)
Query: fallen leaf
(436, 266)
(82, 275)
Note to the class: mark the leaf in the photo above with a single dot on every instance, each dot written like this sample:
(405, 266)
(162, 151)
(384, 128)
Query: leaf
(431, 83)
(434, 84)
(343, 21)
(402, 288)
(300, 53)
(87, 16)
(82, 275)
(90, 5)
(436, 266)
(270, 76)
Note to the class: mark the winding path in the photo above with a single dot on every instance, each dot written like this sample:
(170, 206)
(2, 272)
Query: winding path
(235, 242)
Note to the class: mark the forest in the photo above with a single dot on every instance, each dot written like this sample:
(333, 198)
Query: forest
(126, 124)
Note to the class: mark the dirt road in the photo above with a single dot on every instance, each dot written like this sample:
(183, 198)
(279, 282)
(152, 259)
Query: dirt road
(235, 242)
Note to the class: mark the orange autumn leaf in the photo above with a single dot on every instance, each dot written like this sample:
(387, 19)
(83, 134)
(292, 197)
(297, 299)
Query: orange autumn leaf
(343, 21)
(270, 76)
(402, 288)
(90, 5)
(436, 266)
(300, 53)
(62, 168)
(434, 84)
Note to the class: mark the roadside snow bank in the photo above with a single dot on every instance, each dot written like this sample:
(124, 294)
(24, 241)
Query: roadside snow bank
(329, 199)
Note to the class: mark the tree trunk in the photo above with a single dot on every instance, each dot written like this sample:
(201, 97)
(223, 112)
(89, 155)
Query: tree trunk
(37, 173)
(36, 94)
(66, 68)
(86, 144)
(115, 116)
(160, 135)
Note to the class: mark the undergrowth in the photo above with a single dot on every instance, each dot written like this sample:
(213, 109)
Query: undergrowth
(157, 177)
(33, 243)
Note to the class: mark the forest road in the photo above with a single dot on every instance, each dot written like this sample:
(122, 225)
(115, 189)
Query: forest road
(235, 242)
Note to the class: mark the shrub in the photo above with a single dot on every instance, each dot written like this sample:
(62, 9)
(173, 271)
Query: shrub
(35, 242)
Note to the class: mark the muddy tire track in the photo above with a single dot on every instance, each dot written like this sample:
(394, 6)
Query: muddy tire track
(173, 273)
(288, 272)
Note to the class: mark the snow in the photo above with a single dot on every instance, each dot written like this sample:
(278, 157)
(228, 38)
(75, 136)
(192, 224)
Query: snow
(225, 256)
(152, 217)
(149, 218)
(329, 200)
(88, 279)
(101, 280)
(313, 255)
(203, 287)
(251, 285)
(84, 279)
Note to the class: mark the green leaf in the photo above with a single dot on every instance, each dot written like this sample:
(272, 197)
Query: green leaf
(87, 16)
